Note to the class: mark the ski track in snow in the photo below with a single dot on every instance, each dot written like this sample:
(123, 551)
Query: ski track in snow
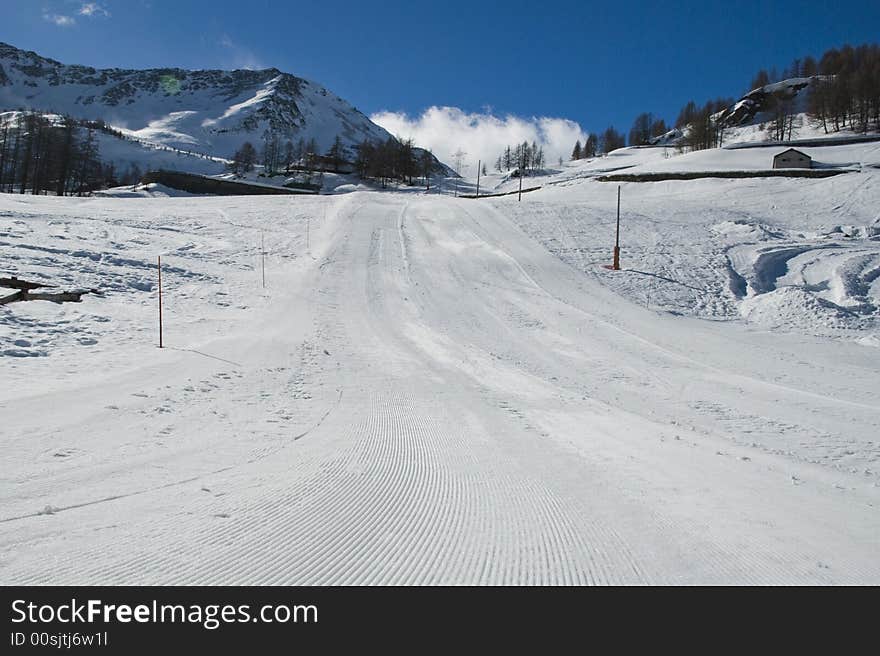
(448, 391)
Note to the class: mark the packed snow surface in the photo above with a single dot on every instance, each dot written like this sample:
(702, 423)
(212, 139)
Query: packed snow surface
(443, 390)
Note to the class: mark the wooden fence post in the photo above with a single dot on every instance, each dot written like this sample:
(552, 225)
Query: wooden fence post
(617, 235)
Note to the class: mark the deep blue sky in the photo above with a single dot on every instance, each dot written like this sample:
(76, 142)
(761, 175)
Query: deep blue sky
(595, 63)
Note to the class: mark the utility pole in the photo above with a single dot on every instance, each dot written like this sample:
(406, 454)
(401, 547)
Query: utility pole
(617, 235)
(478, 178)
(160, 301)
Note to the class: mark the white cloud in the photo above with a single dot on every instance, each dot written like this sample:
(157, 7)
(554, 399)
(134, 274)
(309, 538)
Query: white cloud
(239, 56)
(86, 9)
(93, 9)
(59, 19)
(481, 135)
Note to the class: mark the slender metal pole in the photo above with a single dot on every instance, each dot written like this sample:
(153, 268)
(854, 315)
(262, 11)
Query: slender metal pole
(160, 302)
(617, 235)
(478, 178)
(263, 256)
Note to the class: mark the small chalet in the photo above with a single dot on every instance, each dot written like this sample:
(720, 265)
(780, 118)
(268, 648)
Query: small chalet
(792, 159)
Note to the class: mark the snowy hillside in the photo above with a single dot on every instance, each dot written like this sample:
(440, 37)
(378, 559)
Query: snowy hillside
(206, 112)
(750, 119)
(755, 158)
(800, 255)
(445, 390)
(421, 386)
(754, 106)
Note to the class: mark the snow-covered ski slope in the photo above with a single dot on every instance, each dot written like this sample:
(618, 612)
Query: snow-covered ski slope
(443, 390)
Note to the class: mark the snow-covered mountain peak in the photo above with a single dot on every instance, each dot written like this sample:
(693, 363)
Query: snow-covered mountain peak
(208, 111)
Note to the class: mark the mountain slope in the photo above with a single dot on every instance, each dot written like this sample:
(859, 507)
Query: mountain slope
(211, 112)
(751, 118)
(757, 102)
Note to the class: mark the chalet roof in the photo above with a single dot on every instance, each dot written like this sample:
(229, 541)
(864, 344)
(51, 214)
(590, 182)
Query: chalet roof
(792, 150)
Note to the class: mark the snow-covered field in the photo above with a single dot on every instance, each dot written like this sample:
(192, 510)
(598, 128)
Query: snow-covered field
(442, 390)
(667, 159)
